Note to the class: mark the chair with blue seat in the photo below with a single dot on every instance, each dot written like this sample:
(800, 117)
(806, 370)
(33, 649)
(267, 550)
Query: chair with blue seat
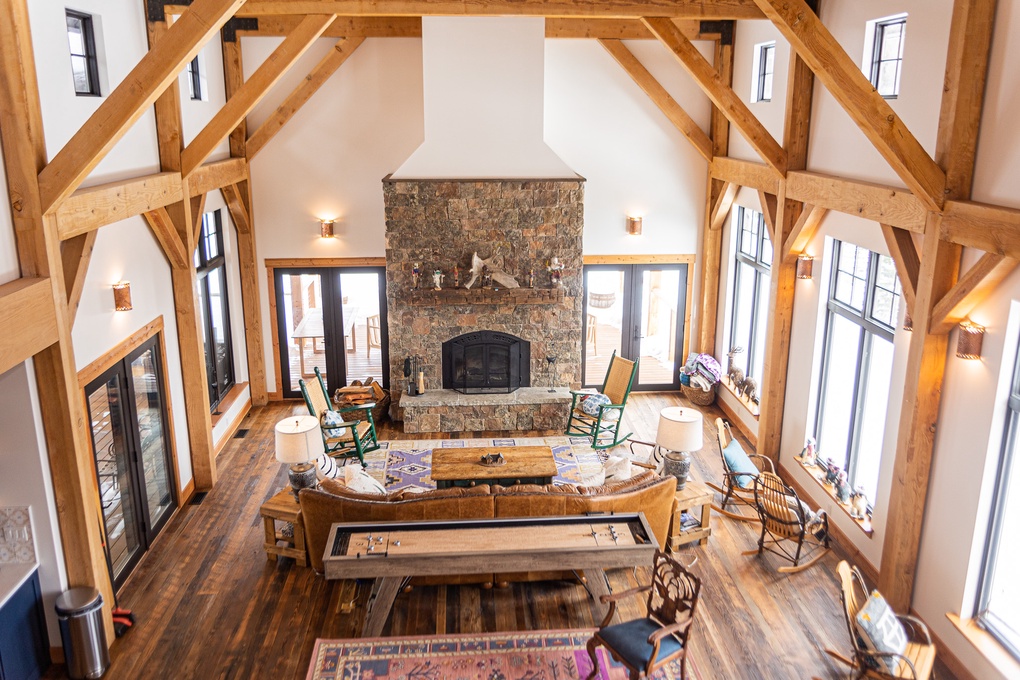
(662, 636)
(599, 417)
(352, 430)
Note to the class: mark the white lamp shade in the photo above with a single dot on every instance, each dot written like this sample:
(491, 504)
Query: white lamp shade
(298, 439)
(680, 429)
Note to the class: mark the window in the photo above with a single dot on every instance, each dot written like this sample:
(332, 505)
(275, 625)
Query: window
(883, 53)
(194, 74)
(215, 313)
(764, 66)
(998, 608)
(864, 297)
(751, 291)
(84, 65)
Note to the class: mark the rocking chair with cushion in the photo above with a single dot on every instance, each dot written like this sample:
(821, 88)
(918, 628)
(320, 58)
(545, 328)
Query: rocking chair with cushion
(739, 472)
(785, 520)
(598, 416)
(346, 432)
(644, 645)
(886, 645)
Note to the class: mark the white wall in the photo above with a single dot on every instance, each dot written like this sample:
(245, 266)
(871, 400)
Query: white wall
(770, 114)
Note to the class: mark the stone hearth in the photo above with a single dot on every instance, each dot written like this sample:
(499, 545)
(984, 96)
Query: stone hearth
(529, 408)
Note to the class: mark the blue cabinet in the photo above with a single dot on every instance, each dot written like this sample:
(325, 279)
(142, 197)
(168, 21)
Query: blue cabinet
(24, 644)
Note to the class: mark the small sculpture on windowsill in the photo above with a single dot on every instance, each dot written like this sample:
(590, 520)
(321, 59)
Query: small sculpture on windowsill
(844, 491)
(437, 279)
(555, 269)
(493, 459)
(807, 456)
(859, 504)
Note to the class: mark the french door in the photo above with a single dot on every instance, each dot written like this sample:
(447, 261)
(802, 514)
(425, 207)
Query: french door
(129, 425)
(333, 319)
(637, 311)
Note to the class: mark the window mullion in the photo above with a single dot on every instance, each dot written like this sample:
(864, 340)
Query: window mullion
(860, 389)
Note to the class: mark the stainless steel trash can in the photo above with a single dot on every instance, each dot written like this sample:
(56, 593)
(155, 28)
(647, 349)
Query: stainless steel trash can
(80, 613)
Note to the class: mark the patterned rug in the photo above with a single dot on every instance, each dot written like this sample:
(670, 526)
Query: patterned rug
(403, 464)
(538, 655)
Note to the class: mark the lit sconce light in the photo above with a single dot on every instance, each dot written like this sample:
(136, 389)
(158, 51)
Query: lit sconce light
(634, 226)
(805, 266)
(968, 343)
(122, 296)
(326, 227)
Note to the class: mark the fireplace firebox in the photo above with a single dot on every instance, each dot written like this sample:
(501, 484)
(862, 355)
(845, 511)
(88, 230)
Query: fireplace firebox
(486, 362)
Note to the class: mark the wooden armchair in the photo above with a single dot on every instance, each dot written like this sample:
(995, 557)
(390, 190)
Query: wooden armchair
(737, 487)
(917, 661)
(646, 644)
(786, 520)
(354, 436)
(603, 428)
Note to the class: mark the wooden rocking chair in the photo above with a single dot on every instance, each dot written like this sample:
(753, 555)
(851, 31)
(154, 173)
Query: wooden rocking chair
(737, 487)
(355, 436)
(602, 428)
(785, 520)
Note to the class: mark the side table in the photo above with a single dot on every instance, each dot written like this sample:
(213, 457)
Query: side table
(695, 499)
(284, 507)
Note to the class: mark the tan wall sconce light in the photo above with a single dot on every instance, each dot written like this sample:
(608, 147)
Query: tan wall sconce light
(326, 228)
(122, 296)
(968, 343)
(805, 266)
(634, 226)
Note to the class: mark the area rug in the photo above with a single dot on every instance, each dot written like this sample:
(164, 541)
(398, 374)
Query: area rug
(403, 464)
(537, 655)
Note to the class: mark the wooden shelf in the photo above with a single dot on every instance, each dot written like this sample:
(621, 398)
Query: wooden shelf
(486, 296)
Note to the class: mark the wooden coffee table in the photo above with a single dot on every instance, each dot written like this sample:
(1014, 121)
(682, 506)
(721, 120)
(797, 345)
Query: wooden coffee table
(463, 467)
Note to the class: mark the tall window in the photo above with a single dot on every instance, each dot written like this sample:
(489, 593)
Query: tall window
(751, 291)
(194, 79)
(764, 66)
(885, 38)
(212, 293)
(864, 297)
(84, 65)
(998, 609)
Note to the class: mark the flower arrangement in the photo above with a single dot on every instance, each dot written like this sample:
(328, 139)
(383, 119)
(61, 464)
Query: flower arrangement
(701, 371)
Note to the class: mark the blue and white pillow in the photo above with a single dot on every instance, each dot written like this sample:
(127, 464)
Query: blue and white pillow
(326, 467)
(330, 422)
(591, 405)
(881, 631)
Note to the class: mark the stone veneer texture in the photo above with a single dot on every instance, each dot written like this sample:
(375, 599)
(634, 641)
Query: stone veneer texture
(440, 223)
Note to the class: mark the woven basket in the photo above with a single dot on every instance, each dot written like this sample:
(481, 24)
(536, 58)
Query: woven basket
(697, 396)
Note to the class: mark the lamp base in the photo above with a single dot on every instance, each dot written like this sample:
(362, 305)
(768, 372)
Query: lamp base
(302, 476)
(677, 464)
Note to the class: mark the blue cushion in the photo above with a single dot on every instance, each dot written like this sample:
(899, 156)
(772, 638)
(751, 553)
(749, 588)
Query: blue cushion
(737, 461)
(591, 405)
(630, 641)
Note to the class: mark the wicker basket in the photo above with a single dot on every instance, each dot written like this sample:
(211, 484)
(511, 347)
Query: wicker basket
(698, 397)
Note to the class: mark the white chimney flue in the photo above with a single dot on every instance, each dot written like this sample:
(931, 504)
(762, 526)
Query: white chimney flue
(484, 97)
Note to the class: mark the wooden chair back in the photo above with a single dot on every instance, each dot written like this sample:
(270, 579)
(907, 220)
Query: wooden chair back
(373, 331)
(853, 594)
(315, 395)
(778, 506)
(675, 592)
(619, 379)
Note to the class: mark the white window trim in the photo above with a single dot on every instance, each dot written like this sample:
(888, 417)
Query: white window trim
(869, 41)
(756, 70)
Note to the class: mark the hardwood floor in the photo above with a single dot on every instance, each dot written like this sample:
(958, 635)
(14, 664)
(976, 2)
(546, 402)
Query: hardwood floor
(210, 605)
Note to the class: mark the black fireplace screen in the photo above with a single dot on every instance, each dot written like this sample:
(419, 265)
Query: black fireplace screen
(486, 362)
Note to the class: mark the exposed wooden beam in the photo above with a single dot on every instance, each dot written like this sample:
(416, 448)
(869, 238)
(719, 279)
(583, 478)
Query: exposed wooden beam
(722, 206)
(245, 99)
(768, 211)
(28, 320)
(722, 95)
(94, 207)
(746, 174)
(684, 9)
(876, 202)
(660, 97)
(128, 101)
(311, 83)
(804, 230)
(75, 254)
(848, 85)
(235, 204)
(618, 29)
(991, 228)
(217, 174)
(233, 79)
(166, 234)
(971, 290)
(905, 256)
(197, 208)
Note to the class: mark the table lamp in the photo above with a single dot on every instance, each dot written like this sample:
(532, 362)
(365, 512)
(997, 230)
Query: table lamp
(298, 441)
(679, 433)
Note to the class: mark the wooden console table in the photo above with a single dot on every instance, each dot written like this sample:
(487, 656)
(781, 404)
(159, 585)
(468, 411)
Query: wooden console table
(696, 500)
(391, 551)
(285, 508)
(463, 467)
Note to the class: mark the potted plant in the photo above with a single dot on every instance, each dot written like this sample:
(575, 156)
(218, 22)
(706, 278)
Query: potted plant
(698, 378)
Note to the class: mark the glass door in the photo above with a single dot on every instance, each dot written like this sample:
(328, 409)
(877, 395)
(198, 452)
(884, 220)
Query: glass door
(133, 470)
(638, 312)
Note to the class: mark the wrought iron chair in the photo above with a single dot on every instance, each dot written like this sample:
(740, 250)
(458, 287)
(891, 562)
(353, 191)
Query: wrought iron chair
(646, 644)
(737, 487)
(917, 661)
(785, 519)
(602, 428)
(354, 436)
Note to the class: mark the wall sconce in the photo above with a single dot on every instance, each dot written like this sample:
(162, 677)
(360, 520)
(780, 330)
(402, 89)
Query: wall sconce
(326, 227)
(634, 226)
(968, 343)
(122, 296)
(805, 266)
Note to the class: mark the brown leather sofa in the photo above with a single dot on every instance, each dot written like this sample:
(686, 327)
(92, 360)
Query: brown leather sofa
(334, 502)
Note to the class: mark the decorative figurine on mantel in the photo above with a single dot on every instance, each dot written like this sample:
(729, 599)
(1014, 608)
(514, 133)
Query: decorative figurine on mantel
(437, 279)
(494, 268)
(555, 269)
(456, 276)
(416, 276)
(531, 278)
